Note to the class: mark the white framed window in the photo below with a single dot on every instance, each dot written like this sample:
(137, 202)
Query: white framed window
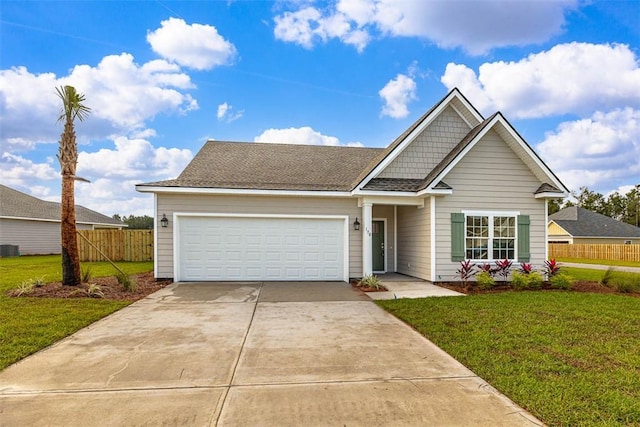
(490, 235)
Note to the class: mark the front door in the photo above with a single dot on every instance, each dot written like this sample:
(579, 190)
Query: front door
(377, 240)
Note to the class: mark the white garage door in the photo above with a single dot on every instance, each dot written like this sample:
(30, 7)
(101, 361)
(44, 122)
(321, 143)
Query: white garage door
(249, 248)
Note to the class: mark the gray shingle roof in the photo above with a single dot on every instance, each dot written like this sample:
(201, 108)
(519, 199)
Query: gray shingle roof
(14, 203)
(252, 165)
(260, 166)
(547, 188)
(393, 184)
(580, 222)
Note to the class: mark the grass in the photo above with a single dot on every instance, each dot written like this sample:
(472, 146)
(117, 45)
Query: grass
(30, 324)
(568, 358)
(597, 275)
(600, 261)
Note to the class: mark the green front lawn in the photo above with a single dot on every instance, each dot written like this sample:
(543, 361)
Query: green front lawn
(569, 358)
(30, 324)
(600, 261)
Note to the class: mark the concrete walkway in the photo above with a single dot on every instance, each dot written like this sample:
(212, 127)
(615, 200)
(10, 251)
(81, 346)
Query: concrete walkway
(600, 267)
(249, 354)
(401, 286)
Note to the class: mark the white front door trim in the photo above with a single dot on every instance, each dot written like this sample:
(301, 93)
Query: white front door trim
(178, 215)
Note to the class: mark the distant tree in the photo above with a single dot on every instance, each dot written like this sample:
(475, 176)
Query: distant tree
(632, 206)
(554, 206)
(590, 200)
(143, 222)
(72, 108)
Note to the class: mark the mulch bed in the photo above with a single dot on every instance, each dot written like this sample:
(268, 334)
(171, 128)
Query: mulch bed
(356, 284)
(578, 286)
(109, 286)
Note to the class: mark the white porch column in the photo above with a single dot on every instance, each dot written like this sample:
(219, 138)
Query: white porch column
(367, 258)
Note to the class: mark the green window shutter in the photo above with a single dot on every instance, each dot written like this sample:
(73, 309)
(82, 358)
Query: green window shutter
(457, 237)
(524, 251)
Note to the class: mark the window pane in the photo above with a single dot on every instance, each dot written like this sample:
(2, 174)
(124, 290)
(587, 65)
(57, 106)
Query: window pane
(477, 232)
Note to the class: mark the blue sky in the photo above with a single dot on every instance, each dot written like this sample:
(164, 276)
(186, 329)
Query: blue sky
(162, 77)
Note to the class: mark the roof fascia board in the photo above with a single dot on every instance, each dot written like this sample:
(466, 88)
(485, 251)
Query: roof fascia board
(464, 119)
(549, 195)
(24, 218)
(399, 201)
(240, 191)
(373, 193)
(435, 192)
(417, 131)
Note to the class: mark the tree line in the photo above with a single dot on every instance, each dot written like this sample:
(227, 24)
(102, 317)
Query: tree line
(144, 222)
(622, 207)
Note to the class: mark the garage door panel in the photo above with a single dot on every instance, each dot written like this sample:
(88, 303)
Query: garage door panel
(241, 248)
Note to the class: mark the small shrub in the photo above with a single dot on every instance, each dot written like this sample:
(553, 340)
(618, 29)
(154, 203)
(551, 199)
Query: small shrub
(608, 275)
(86, 275)
(465, 272)
(39, 282)
(561, 281)
(95, 291)
(485, 280)
(535, 280)
(551, 268)
(128, 283)
(371, 281)
(526, 268)
(24, 288)
(625, 283)
(504, 268)
(486, 268)
(519, 281)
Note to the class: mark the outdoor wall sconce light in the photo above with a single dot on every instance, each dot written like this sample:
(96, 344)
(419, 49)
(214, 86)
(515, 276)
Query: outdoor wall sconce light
(356, 224)
(164, 222)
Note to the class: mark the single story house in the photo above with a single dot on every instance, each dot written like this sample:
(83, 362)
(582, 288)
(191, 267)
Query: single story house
(453, 186)
(576, 225)
(33, 224)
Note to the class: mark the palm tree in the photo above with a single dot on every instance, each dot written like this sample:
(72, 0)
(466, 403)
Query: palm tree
(72, 108)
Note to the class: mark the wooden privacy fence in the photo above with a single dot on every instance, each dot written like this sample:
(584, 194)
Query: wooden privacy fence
(610, 252)
(118, 245)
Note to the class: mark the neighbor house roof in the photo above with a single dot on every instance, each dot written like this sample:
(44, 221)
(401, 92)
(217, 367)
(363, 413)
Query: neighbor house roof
(15, 204)
(580, 222)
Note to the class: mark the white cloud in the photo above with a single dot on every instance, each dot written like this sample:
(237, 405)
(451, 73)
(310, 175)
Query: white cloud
(226, 112)
(301, 136)
(122, 95)
(195, 46)
(397, 94)
(576, 78)
(601, 152)
(133, 159)
(476, 26)
(19, 171)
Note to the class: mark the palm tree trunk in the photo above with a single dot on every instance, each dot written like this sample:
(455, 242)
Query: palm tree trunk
(69, 239)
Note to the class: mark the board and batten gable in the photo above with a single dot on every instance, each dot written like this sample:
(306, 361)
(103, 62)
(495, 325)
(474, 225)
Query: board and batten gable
(490, 177)
(428, 148)
(168, 204)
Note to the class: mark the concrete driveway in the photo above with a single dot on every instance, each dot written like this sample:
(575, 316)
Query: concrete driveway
(249, 354)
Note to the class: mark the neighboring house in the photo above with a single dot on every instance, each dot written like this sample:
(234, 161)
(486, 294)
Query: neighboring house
(34, 225)
(453, 186)
(578, 225)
